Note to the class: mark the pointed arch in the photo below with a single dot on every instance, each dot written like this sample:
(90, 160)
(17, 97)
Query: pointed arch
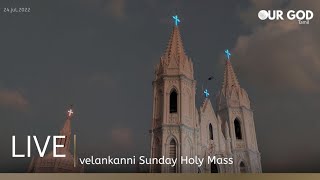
(210, 131)
(214, 168)
(243, 168)
(172, 154)
(173, 99)
(237, 129)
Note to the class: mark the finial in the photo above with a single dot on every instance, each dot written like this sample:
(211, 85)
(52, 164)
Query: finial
(176, 20)
(228, 54)
(206, 93)
(70, 112)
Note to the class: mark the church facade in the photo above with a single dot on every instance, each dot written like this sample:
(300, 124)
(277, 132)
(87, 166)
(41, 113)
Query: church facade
(180, 129)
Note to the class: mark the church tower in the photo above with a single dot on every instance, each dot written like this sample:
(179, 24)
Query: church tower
(174, 129)
(233, 107)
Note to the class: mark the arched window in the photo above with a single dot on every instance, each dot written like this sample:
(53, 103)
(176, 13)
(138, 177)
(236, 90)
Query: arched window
(242, 168)
(237, 129)
(210, 131)
(173, 102)
(214, 168)
(173, 154)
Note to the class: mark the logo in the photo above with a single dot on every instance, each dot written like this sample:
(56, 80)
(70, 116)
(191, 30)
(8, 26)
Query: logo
(303, 16)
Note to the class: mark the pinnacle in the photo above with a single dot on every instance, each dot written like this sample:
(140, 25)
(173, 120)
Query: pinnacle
(230, 78)
(175, 46)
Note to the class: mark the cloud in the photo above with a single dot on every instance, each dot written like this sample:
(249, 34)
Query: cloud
(122, 137)
(281, 62)
(280, 55)
(13, 99)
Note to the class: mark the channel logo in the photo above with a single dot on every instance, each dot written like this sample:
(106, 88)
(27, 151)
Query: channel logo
(303, 16)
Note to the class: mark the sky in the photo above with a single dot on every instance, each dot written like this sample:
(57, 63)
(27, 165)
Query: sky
(99, 55)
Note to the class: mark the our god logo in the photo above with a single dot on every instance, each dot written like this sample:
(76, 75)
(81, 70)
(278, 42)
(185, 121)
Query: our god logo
(271, 15)
(303, 16)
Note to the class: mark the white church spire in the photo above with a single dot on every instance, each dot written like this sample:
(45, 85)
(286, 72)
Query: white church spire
(175, 47)
(66, 130)
(230, 80)
(231, 94)
(174, 60)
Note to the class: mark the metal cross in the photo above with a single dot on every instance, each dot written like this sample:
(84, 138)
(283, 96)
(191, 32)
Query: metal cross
(70, 112)
(228, 54)
(206, 93)
(176, 20)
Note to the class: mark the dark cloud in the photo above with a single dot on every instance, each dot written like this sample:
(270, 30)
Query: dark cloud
(282, 53)
(279, 61)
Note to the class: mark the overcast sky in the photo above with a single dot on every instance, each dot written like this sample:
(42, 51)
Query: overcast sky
(100, 55)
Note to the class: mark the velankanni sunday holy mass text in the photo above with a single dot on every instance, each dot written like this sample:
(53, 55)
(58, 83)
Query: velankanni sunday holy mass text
(199, 161)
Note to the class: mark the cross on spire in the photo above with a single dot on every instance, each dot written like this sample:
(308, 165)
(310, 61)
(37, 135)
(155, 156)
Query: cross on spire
(70, 112)
(176, 20)
(206, 93)
(228, 54)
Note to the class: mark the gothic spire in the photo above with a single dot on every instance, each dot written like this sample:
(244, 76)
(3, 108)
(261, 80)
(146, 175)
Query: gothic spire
(174, 61)
(66, 130)
(175, 47)
(230, 80)
(231, 94)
